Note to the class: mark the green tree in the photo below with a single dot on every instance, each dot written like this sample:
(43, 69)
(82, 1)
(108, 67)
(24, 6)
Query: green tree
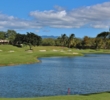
(78, 43)
(2, 35)
(58, 41)
(33, 39)
(64, 39)
(30, 39)
(11, 34)
(98, 43)
(108, 43)
(86, 42)
(48, 42)
(105, 36)
(20, 39)
(71, 41)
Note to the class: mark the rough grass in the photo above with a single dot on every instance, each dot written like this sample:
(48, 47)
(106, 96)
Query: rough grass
(102, 96)
(11, 55)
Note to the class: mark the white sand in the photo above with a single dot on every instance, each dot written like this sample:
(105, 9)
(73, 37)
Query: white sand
(30, 51)
(69, 50)
(55, 50)
(11, 51)
(75, 53)
(42, 50)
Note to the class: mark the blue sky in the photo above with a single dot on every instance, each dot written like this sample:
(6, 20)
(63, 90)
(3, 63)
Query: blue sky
(55, 17)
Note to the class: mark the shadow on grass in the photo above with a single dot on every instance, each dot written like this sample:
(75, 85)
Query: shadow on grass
(95, 93)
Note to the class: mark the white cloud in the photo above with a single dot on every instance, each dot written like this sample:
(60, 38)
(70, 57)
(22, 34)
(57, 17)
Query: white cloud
(51, 14)
(11, 22)
(97, 16)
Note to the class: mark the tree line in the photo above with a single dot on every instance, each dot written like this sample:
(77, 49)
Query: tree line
(101, 41)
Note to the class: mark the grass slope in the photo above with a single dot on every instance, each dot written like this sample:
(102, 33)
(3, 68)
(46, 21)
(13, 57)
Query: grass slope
(102, 96)
(11, 55)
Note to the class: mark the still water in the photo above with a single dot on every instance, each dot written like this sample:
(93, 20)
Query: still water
(54, 75)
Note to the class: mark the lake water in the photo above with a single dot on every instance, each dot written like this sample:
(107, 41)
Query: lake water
(54, 75)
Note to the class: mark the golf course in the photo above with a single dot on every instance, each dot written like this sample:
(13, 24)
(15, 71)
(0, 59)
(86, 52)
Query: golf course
(12, 55)
(54, 50)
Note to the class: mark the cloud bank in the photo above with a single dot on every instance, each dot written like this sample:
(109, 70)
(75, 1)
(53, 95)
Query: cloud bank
(96, 16)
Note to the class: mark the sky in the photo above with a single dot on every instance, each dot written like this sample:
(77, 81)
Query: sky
(55, 17)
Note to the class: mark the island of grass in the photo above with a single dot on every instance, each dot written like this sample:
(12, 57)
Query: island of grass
(12, 55)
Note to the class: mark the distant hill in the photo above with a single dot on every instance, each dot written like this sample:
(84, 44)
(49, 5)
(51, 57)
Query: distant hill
(54, 37)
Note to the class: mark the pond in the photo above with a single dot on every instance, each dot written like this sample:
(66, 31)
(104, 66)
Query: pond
(54, 75)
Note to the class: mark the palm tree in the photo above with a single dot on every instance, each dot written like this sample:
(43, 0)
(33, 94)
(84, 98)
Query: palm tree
(71, 40)
(98, 43)
(64, 39)
(104, 36)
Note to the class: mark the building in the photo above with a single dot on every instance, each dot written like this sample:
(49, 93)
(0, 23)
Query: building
(4, 41)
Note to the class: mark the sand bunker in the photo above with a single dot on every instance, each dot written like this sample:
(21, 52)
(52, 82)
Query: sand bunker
(69, 50)
(11, 51)
(75, 53)
(30, 51)
(42, 50)
(62, 51)
(55, 50)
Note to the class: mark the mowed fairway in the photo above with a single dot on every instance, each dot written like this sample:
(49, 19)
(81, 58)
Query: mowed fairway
(11, 55)
(103, 96)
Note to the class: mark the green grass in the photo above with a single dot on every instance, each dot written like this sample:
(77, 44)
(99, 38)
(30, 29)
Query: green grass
(102, 96)
(22, 56)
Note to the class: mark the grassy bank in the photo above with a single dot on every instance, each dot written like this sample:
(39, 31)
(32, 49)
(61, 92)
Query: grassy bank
(11, 55)
(102, 96)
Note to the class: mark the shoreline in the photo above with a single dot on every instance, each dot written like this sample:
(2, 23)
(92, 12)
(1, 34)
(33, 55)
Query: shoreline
(39, 61)
(21, 56)
(92, 96)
